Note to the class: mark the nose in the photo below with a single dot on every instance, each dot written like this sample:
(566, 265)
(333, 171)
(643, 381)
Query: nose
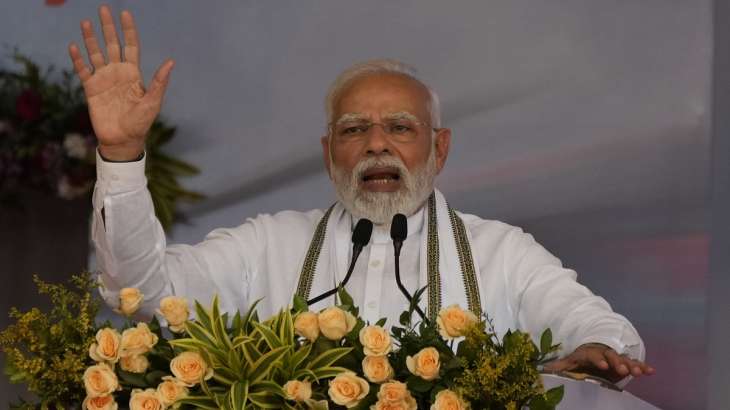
(377, 141)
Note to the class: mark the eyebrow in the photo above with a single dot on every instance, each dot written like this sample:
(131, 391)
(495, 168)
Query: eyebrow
(401, 115)
(351, 116)
(356, 116)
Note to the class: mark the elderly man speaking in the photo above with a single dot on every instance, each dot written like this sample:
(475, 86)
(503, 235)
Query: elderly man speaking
(384, 147)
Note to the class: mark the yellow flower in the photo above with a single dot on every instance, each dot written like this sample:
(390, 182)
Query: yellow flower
(130, 300)
(377, 369)
(298, 390)
(306, 325)
(347, 389)
(135, 364)
(375, 341)
(171, 390)
(145, 400)
(448, 400)
(107, 346)
(453, 321)
(100, 380)
(425, 363)
(138, 340)
(99, 403)
(335, 323)
(175, 310)
(190, 368)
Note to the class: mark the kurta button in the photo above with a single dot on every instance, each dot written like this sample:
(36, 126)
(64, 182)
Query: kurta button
(372, 304)
(375, 263)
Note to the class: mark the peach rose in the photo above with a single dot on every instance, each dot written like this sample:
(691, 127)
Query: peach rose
(453, 321)
(171, 390)
(100, 380)
(335, 323)
(425, 363)
(190, 368)
(145, 400)
(175, 310)
(347, 389)
(135, 364)
(375, 341)
(298, 390)
(107, 346)
(393, 392)
(306, 325)
(99, 403)
(130, 299)
(448, 400)
(407, 404)
(377, 369)
(138, 340)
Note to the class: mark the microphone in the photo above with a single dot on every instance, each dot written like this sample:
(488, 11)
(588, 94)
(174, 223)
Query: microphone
(360, 238)
(399, 232)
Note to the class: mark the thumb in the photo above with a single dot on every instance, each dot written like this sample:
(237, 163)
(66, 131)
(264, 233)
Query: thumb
(157, 88)
(558, 365)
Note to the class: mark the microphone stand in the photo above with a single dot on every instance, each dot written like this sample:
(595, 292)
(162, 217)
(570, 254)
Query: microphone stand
(398, 232)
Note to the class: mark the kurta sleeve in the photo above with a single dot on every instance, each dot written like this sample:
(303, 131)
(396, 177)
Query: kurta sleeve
(131, 247)
(545, 294)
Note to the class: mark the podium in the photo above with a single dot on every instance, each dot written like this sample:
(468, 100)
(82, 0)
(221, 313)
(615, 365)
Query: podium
(581, 395)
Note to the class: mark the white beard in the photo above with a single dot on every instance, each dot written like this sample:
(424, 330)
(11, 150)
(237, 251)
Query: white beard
(379, 207)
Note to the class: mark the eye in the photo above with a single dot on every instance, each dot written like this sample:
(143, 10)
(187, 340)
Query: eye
(354, 129)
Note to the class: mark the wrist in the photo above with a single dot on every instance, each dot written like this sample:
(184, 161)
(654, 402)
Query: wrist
(121, 153)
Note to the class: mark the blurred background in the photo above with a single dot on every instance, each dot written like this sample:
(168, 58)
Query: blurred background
(587, 123)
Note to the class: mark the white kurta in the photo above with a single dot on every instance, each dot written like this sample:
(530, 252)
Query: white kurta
(521, 285)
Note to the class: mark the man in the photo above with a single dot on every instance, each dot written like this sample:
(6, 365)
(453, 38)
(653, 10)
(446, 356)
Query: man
(383, 149)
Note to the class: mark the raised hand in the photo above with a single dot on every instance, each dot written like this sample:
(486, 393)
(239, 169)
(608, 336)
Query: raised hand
(120, 107)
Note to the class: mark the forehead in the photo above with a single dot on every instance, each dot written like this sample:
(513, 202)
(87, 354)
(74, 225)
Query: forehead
(380, 94)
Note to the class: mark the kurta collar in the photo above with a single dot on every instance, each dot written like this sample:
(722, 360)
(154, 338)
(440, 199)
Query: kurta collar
(382, 234)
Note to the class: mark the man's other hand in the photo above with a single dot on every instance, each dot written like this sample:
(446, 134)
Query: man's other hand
(602, 361)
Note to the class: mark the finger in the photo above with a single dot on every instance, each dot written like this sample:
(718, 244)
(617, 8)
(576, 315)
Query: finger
(617, 362)
(131, 42)
(596, 358)
(82, 70)
(159, 83)
(639, 368)
(113, 50)
(92, 46)
(561, 365)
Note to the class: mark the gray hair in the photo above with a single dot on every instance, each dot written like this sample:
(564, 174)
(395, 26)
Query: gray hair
(379, 66)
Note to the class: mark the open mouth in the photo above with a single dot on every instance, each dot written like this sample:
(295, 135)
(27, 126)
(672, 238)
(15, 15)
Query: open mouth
(381, 176)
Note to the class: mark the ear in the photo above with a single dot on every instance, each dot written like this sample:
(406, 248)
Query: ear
(442, 141)
(326, 154)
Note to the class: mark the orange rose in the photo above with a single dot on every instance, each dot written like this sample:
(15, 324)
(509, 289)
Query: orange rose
(408, 404)
(335, 323)
(99, 403)
(375, 341)
(298, 390)
(453, 321)
(448, 400)
(347, 389)
(392, 392)
(145, 400)
(135, 364)
(107, 346)
(130, 300)
(100, 380)
(138, 340)
(306, 325)
(175, 311)
(171, 390)
(190, 368)
(377, 369)
(425, 363)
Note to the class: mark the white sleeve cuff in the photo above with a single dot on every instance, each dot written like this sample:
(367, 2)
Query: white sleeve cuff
(119, 177)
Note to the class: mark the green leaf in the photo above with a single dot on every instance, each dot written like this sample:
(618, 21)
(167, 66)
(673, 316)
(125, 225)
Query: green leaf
(300, 304)
(260, 369)
(417, 384)
(299, 356)
(345, 298)
(546, 341)
(555, 395)
(329, 357)
(239, 395)
(201, 402)
(381, 322)
(271, 338)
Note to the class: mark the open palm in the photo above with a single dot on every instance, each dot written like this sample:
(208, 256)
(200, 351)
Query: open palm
(120, 108)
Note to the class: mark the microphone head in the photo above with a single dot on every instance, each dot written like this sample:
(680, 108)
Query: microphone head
(399, 228)
(362, 232)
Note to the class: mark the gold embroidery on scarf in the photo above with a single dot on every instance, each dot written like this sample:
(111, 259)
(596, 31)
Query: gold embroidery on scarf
(432, 261)
(306, 277)
(468, 273)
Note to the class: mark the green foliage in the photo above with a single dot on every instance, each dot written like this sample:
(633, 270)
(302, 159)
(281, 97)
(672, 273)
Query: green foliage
(49, 351)
(252, 360)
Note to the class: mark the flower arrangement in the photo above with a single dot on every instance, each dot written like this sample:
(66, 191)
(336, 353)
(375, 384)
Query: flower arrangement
(296, 359)
(47, 142)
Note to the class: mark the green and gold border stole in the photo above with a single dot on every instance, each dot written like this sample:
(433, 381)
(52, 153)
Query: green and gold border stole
(468, 273)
